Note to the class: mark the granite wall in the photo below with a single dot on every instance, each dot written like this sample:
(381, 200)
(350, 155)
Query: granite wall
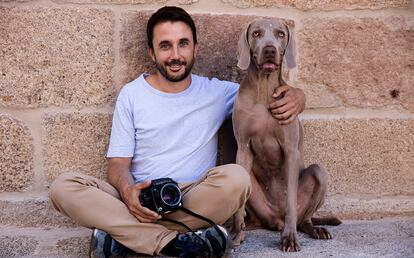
(62, 63)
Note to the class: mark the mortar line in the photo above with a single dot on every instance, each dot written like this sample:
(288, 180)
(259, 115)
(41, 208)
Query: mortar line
(83, 110)
(43, 195)
(390, 112)
(34, 122)
(356, 113)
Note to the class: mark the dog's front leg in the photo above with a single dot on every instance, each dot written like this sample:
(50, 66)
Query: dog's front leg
(245, 159)
(289, 238)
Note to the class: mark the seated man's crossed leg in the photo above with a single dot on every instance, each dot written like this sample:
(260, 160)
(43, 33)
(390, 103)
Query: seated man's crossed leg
(94, 203)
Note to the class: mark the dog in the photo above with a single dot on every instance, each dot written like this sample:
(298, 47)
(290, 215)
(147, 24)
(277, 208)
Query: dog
(285, 194)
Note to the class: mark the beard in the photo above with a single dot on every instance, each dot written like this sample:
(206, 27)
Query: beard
(162, 68)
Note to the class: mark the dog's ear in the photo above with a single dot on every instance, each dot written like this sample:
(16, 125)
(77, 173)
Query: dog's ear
(290, 52)
(243, 51)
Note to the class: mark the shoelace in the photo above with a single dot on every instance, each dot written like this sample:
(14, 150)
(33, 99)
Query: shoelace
(221, 233)
(190, 252)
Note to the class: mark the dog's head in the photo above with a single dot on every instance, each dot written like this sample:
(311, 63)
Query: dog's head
(264, 43)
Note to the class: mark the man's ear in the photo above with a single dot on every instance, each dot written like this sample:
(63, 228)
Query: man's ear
(290, 52)
(195, 49)
(243, 51)
(151, 54)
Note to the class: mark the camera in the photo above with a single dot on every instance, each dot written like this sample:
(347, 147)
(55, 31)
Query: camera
(162, 196)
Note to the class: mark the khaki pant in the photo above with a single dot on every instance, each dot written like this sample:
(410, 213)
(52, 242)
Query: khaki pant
(94, 203)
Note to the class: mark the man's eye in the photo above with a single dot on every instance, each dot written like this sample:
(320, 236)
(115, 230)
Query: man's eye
(184, 43)
(163, 46)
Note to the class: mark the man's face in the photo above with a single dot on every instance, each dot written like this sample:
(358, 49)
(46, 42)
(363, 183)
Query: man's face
(174, 50)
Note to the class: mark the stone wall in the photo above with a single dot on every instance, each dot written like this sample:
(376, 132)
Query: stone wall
(62, 63)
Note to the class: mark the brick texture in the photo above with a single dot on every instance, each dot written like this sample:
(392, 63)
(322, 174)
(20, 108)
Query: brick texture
(48, 61)
(362, 156)
(75, 142)
(186, 2)
(363, 62)
(32, 213)
(17, 246)
(320, 4)
(16, 155)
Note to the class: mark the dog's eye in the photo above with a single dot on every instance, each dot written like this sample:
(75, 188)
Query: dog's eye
(281, 34)
(256, 34)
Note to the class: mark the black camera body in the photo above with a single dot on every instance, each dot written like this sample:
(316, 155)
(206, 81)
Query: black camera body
(162, 196)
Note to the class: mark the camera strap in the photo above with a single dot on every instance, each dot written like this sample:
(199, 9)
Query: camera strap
(192, 213)
(209, 221)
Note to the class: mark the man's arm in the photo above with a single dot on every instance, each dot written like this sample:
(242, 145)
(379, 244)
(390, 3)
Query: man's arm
(289, 103)
(120, 177)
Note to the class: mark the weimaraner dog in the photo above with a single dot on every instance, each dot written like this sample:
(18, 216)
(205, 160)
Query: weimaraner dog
(285, 194)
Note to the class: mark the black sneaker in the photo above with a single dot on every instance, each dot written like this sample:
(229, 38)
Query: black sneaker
(211, 242)
(102, 245)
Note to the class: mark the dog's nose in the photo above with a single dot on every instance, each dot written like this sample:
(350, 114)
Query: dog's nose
(269, 51)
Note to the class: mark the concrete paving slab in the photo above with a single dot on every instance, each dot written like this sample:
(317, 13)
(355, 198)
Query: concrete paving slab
(392, 237)
(380, 238)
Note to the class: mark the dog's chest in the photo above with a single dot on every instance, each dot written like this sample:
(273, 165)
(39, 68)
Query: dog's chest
(261, 123)
(263, 139)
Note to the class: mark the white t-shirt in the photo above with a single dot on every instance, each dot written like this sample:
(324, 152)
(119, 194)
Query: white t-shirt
(170, 134)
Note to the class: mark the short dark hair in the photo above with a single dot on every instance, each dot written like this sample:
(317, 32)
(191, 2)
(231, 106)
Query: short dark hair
(169, 14)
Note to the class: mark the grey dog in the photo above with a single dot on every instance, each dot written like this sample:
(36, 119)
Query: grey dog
(285, 194)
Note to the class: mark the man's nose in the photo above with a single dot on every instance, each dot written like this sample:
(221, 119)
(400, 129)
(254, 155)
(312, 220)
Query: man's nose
(175, 53)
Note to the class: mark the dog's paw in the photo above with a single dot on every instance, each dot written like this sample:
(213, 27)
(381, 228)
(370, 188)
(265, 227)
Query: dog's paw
(321, 233)
(238, 227)
(238, 238)
(289, 241)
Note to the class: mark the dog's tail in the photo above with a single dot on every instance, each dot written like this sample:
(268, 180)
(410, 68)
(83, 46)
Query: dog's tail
(330, 221)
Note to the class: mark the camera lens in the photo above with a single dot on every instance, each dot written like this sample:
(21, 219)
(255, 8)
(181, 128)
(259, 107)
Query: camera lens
(170, 194)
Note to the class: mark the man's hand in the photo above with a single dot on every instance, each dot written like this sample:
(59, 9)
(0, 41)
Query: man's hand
(289, 103)
(120, 177)
(130, 195)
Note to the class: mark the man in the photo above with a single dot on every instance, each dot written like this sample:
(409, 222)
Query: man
(165, 125)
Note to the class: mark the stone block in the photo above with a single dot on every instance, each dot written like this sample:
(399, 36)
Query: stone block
(75, 142)
(16, 155)
(186, 2)
(44, 242)
(359, 207)
(217, 36)
(319, 4)
(319, 96)
(17, 246)
(74, 246)
(364, 62)
(32, 213)
(363, 156)
(134, 59)
(55, 62)
(113, 1)
(19, 1)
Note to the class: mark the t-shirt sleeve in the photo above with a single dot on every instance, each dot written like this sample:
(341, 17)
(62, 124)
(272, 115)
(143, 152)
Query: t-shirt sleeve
(122, 140)
(231, 92)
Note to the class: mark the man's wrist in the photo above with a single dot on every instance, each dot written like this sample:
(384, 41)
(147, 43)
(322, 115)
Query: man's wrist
(122, 185)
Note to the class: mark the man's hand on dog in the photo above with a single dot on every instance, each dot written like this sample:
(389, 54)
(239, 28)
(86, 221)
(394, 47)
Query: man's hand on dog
(130, 197)
(289, 103)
